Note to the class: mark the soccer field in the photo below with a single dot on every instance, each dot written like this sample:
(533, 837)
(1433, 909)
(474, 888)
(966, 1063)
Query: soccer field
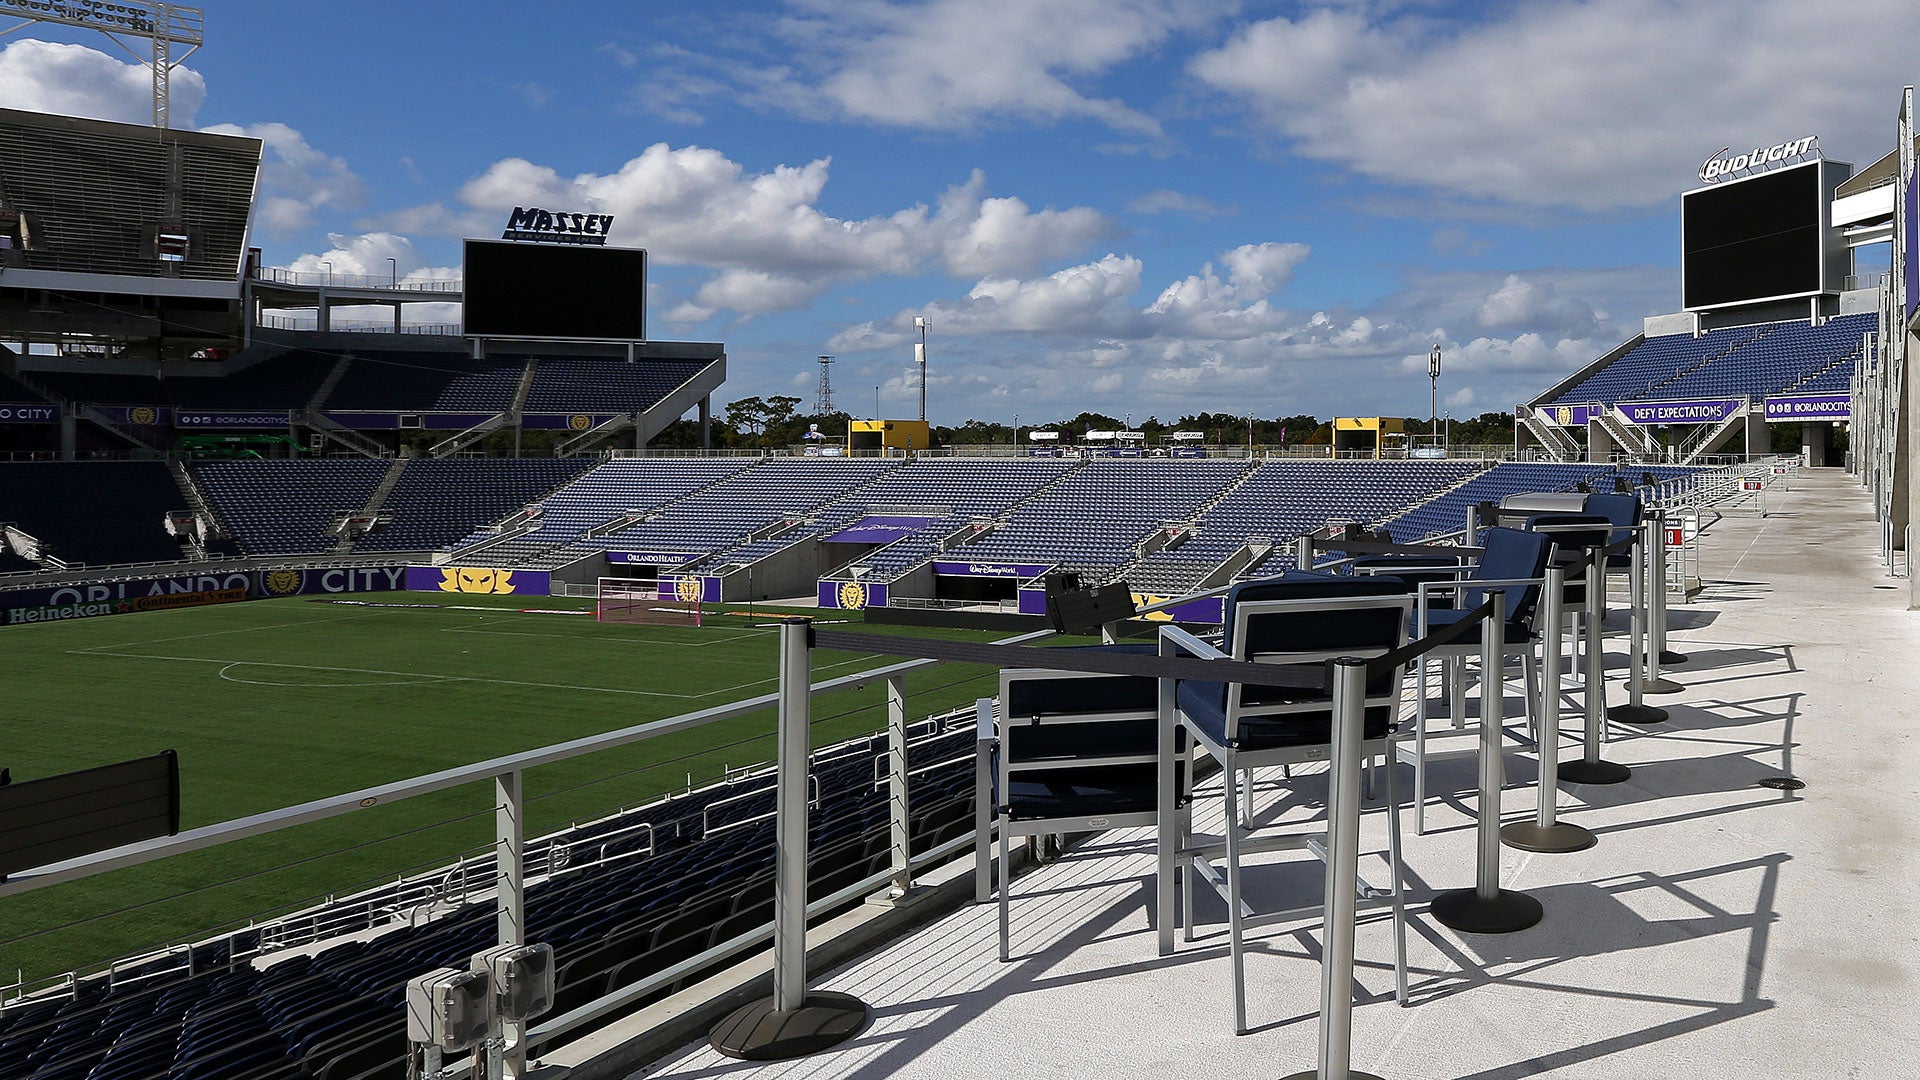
(277, 702)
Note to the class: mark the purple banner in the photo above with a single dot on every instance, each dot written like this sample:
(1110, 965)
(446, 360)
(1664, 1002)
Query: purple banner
(563, 421)
(390, 421)
(46, 604)
(1189, 452)
(991, 569)
(1808, 407)
(654, 558)
(29, 414)
(184, 419)
(1912, 268)
(878, 530)
(1208, 609)
(1565, 415)
(852, 595)
(708, 586)
(1043, 451)
(478, 580)
(1679, 412)
(139, 415)
(1032, 601)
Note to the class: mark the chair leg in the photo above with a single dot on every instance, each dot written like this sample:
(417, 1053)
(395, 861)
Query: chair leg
(1006, 888)
(1246, 800)
(1399, 885)
(1420, 772)
(1530, 669)
(1457, 690)
(1234, 920)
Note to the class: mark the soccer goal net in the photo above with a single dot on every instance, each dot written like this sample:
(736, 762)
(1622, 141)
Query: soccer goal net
(626, 601)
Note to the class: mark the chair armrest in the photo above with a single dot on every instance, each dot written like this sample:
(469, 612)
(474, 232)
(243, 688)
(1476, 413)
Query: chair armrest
(983, 729)
(1175, 641)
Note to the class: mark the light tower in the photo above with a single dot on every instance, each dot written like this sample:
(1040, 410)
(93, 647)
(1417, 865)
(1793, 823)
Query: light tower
(920, 323)
(163, 25)
(824, 400)
(1433, 398)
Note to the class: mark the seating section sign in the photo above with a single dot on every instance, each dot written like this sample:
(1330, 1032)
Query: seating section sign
(1808, 407)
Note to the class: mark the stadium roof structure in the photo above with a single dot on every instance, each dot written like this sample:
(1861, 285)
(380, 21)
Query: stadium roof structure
(101, 201)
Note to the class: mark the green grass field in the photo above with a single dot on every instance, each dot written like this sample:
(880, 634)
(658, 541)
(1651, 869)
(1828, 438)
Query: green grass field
(274, 703)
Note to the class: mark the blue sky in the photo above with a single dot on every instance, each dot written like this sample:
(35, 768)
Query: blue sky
(1132, 206)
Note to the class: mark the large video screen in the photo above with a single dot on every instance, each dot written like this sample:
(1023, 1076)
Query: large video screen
(555, 291)
(1752, 239)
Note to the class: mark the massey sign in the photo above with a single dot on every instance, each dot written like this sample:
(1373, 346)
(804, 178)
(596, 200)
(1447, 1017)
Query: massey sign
(556, 226)
(1725, 163)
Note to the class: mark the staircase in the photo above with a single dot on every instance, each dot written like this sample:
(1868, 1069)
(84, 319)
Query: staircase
(595, 434)
(332, 380)
(198, 503)
(1554, 439)
(453, 444)
(374, 501)
(1712, 438)
(1627, 436)
(340, 433)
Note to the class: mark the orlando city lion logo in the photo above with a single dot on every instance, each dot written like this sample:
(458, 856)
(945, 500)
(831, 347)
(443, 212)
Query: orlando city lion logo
(687, 589)
(853, 596)
(579, 421)
(142, 414)
(481, 579)
(282, 582)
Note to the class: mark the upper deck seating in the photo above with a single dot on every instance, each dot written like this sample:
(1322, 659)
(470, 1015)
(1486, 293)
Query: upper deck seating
(96, 512)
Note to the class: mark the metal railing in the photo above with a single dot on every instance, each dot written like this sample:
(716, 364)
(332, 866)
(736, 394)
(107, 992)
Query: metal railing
(277, 275)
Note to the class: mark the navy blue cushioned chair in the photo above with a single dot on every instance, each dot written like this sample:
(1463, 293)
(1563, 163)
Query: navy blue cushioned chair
(1065, 752)
(1626, 513)
(1572, 535)
(1512, 560)
(1300, 619)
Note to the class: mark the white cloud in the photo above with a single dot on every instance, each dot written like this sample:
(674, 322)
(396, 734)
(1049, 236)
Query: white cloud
(1167, 201)
(1217, 340)
(1588, 105)
(766, 234)
(297, 182)
(73, 80)
(941, 65)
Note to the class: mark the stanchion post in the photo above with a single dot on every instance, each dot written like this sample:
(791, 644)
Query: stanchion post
(1591, 769)
(1546, 832)
(1303, 552)
(1637, 711)
(1487, 908)
(1343, 870)
(792, 1023)
(897, 790)
(1657, 648)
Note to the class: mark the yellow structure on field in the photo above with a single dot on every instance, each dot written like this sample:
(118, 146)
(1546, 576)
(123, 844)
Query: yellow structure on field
(909, 435)
(1369, 436)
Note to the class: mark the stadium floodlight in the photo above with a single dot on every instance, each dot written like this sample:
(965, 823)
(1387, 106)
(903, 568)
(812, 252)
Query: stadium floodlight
(920, 323)
(450, 1010)
(162, 24)
(1433, 397)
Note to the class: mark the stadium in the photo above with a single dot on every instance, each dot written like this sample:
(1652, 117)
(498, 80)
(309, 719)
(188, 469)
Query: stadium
(434, 700)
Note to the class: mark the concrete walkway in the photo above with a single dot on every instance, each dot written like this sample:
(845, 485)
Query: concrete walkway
(1719, 929)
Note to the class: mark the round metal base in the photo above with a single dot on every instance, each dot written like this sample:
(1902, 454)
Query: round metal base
(1668, 656)
(1557, 839)
(1583, 771)
(1505, 912)
(1314, 1074)
(1660, 686)
(759, 1032)
(1637, 714)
